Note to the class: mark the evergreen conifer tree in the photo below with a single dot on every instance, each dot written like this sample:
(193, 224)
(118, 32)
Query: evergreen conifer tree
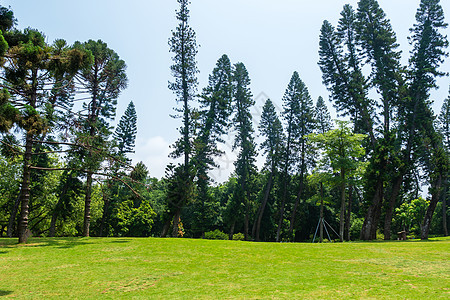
(126, 130)
(322, 116)
(215, 110)
(244, 141)
(444, 127)
(271, 128)
(103, 80)
(184, 70)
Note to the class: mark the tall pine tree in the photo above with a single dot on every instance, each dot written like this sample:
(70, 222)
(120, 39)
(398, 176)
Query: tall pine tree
(271, 128)
(184, 70)
(103, 80)
(126, 130)
(215, 110)
(244, 141)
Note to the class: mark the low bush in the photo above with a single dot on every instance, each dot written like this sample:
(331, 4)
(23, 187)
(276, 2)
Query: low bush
(216, 235)
(238, 237)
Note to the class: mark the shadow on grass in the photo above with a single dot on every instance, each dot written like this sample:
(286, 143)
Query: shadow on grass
(62, 243)
(5, 293)
(121, 241)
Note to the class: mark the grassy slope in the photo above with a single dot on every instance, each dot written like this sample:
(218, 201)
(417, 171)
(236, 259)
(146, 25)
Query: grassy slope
(183, 268)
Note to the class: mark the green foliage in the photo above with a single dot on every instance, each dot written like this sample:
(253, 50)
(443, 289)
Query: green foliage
(322, 116)
(125, 133)
(410, 215)
(134, 221)
(238, 237)
(355, 228)
(341, 149)
(216, 235)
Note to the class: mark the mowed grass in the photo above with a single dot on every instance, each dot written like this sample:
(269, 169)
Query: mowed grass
(155, 268)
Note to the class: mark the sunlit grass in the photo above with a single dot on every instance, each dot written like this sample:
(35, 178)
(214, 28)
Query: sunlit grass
(183, 268)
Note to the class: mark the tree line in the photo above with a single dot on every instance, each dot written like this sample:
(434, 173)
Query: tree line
(64, 167)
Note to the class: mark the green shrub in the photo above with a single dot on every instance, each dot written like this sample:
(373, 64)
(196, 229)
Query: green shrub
(238, 237)
(216, 235)
(355, 228)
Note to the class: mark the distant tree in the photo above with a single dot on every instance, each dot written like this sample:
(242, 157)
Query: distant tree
(32, 68)
(244, 141)
(366, 38)
(103, 80)
(322, 116)
(184, 70)
(124, 139)
(341, 151)
(291, 110)
(214, 113)
(444, 126)
(126, 130)
(428, 54)
(306, 125)
(7, 19)
(271, 128)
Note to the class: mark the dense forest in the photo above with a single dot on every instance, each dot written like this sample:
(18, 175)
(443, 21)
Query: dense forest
(66, 171)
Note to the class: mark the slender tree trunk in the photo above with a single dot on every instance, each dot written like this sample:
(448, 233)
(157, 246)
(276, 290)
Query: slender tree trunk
(390, 210)
(263, 206)
(176, 221)
(230, 235)
(247, 216)
(55, 213)
(256, 221)
(430, 211)
(104, 215)
(165, 229)
(321, 213)
(283, 204)
(12, 217)
(368, 231)
(285, 183)
(342, 215)
(297, 202)
(444, 208)
(52, 229)
(349, 211)
(106, 203)
(25, 190)
(87, 205)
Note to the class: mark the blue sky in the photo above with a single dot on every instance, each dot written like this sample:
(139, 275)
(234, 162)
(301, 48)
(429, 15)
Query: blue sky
(272, 38)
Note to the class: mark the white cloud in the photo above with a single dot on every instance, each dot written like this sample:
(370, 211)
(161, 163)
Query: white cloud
(154, 153)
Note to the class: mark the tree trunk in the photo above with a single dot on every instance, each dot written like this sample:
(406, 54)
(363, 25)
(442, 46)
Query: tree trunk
(430, 211)
(106, 203)
(297, 202)
(87, 205)
(104, 215)
(165, 229)
(176, 221)
(342, 214)
(12, 218)
(283, 204)
(349, 211)
(263, 206)
(256, 221)
(230, 235)
(390, 210)
(246, 218)
(25, 190)
(52, 230)
(444, 209)
(321, 213)
(369, 228)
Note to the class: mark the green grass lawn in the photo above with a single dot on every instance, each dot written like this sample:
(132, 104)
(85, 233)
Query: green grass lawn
(183, 268)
